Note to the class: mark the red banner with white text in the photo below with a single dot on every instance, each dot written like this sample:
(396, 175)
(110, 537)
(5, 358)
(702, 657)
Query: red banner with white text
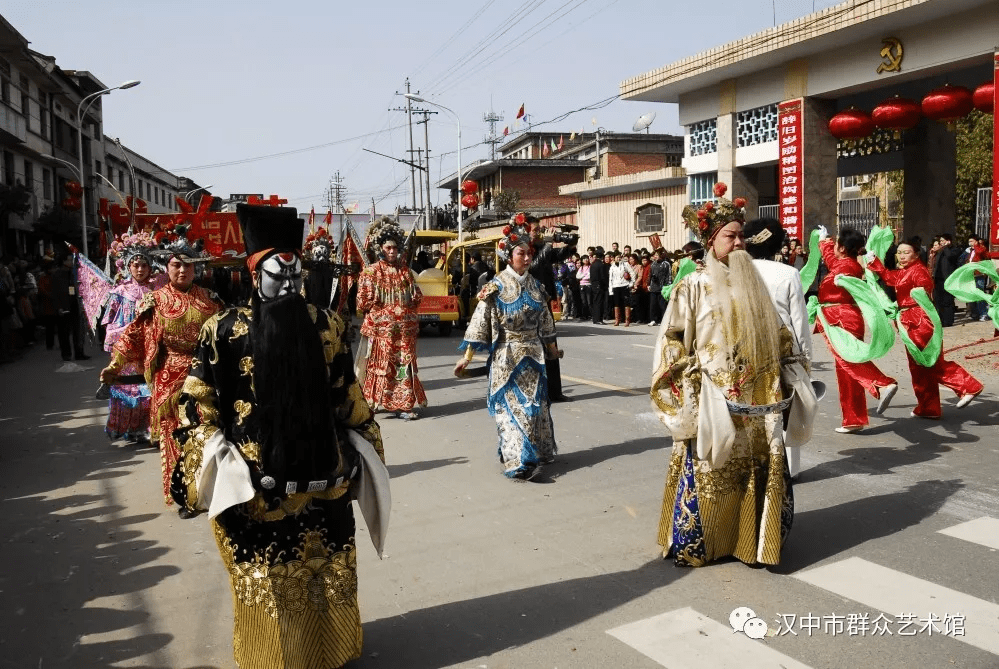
(790, 167)
(994, 228)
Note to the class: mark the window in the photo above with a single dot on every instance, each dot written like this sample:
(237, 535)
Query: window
(96, 130)
(701, 187)
(149, 191)
(649, 218)
(121, 180)
(156, 194)
(43, 115)
(138, 188)
(97, 167)
(29, 175)
(110, 173)
(8, 168)
(46, 184)
(25, 87)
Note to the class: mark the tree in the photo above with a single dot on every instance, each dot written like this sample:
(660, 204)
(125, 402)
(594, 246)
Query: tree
(506, 202)
(974, 167)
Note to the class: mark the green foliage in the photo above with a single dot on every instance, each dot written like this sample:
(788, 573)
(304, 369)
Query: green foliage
(888, 187)
(974, 167)
(506, 202)
(14, 199)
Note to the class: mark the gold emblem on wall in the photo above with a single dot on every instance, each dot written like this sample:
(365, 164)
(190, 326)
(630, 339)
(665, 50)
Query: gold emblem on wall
(892, 54)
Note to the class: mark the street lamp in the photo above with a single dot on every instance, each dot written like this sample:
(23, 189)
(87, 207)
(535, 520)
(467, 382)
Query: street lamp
(417, 98)
(188, 194)
(80, 111)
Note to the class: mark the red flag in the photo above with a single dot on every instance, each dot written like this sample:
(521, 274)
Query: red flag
(506, 131)
(350, 254)
(545, 151)
(328, 219)
(560, 143)
(520, 114)
(312, 220)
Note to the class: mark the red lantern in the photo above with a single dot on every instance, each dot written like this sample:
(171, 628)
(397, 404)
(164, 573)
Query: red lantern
(469, 187)
(470, 201)
(948, 103)
(73, 188)
(851, 124)
(984, 98)
(896, 114)
(71, 203)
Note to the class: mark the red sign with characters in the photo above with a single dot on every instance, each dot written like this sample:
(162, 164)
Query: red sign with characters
(790, 168)
(994, 229)
(220, 230)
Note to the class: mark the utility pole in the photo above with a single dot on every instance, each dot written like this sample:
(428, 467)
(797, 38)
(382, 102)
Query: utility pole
(335, 196)
(418, 163)
(492, 139)
(409, 120)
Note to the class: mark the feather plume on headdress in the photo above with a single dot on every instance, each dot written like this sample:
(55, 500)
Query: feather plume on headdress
(516, 232)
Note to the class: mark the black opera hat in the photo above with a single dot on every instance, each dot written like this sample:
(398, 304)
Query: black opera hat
(266, 227)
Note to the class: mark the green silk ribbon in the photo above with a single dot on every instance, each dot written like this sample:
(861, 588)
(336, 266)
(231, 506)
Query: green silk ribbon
(925, 357)
(811, 267)
(847, 346)
(685, 267)
(879, 241)
(961, 284)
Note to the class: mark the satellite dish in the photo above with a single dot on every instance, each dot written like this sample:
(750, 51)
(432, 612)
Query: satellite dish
(643, 122)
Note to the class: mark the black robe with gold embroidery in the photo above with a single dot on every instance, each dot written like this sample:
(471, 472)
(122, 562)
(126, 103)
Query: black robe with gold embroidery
(290, 557)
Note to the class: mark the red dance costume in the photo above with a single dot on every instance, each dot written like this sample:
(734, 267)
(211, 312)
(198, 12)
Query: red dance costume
(841, 310)
(926, 381)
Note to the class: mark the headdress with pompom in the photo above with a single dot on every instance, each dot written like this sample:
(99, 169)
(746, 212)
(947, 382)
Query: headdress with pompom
(515, 233)
(173, 241)
(127, 247)
(712, 216)
(385, 230)
(320, 236)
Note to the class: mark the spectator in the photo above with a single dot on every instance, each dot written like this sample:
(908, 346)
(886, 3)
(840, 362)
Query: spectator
(947, 262)
(583, 281)
(620, 289)
(978, 310)
(599, 282)
(660, 276)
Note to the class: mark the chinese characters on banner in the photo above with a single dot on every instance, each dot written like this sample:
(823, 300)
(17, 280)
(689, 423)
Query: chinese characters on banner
(994, 229)
(790, 169)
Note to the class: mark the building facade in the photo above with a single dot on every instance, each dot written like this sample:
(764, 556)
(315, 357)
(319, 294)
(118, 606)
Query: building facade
(756, 111)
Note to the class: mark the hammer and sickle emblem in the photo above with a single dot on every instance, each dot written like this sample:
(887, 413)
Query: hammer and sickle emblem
(892, 54)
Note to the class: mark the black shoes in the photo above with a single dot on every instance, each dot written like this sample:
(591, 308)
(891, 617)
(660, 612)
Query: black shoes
(185, 513)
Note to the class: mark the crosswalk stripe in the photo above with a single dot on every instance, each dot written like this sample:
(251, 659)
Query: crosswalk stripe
(604, 386)
(983, 531)
(686, 638)
(896, 593)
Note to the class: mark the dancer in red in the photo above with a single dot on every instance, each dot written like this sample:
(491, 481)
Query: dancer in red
(840, 309)
(926, 381)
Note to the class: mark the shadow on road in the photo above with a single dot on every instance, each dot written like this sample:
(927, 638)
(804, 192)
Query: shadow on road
(567, 462)
(823, 533)
(397, 471)
(65, 551)
(462, 631)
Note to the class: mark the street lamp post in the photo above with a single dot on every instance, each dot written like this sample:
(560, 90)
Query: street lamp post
(417, 98)
(80, 111)
(188, 194)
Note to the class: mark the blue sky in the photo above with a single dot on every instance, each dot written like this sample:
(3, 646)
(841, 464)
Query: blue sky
(226, 82)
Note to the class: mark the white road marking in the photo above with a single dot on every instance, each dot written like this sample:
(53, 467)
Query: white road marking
(983, 531)
(644, 345)
(685, 638)
(605, 386)
(896, 594)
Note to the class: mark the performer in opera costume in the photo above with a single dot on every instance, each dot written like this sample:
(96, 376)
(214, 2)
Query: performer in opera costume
(716, 385)
(128, 414)
(388, 296)
(840, 309)
(274, 429)
(513, 323)
(916, 321)
(161, 340)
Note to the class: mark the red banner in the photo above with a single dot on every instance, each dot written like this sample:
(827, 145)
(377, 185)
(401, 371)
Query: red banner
(790, 168)
(994, 229)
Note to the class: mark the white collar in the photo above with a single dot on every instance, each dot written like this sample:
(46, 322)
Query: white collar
(521, 278)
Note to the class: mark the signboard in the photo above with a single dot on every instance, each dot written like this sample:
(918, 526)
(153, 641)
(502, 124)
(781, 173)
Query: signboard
(790, 168)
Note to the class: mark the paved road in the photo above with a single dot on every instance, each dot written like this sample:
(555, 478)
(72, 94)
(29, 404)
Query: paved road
(485, 572)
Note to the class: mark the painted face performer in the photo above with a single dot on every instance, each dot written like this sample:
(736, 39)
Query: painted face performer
(389, 297)
(270, 417)
(716, 385)
(161, 340)
(128, 405)
(927, 366)
(318, 274)
(513, 324)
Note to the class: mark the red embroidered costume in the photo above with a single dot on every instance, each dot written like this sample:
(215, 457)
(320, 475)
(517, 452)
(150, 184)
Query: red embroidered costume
(926, 381)
(841, 310)
(161, 341)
